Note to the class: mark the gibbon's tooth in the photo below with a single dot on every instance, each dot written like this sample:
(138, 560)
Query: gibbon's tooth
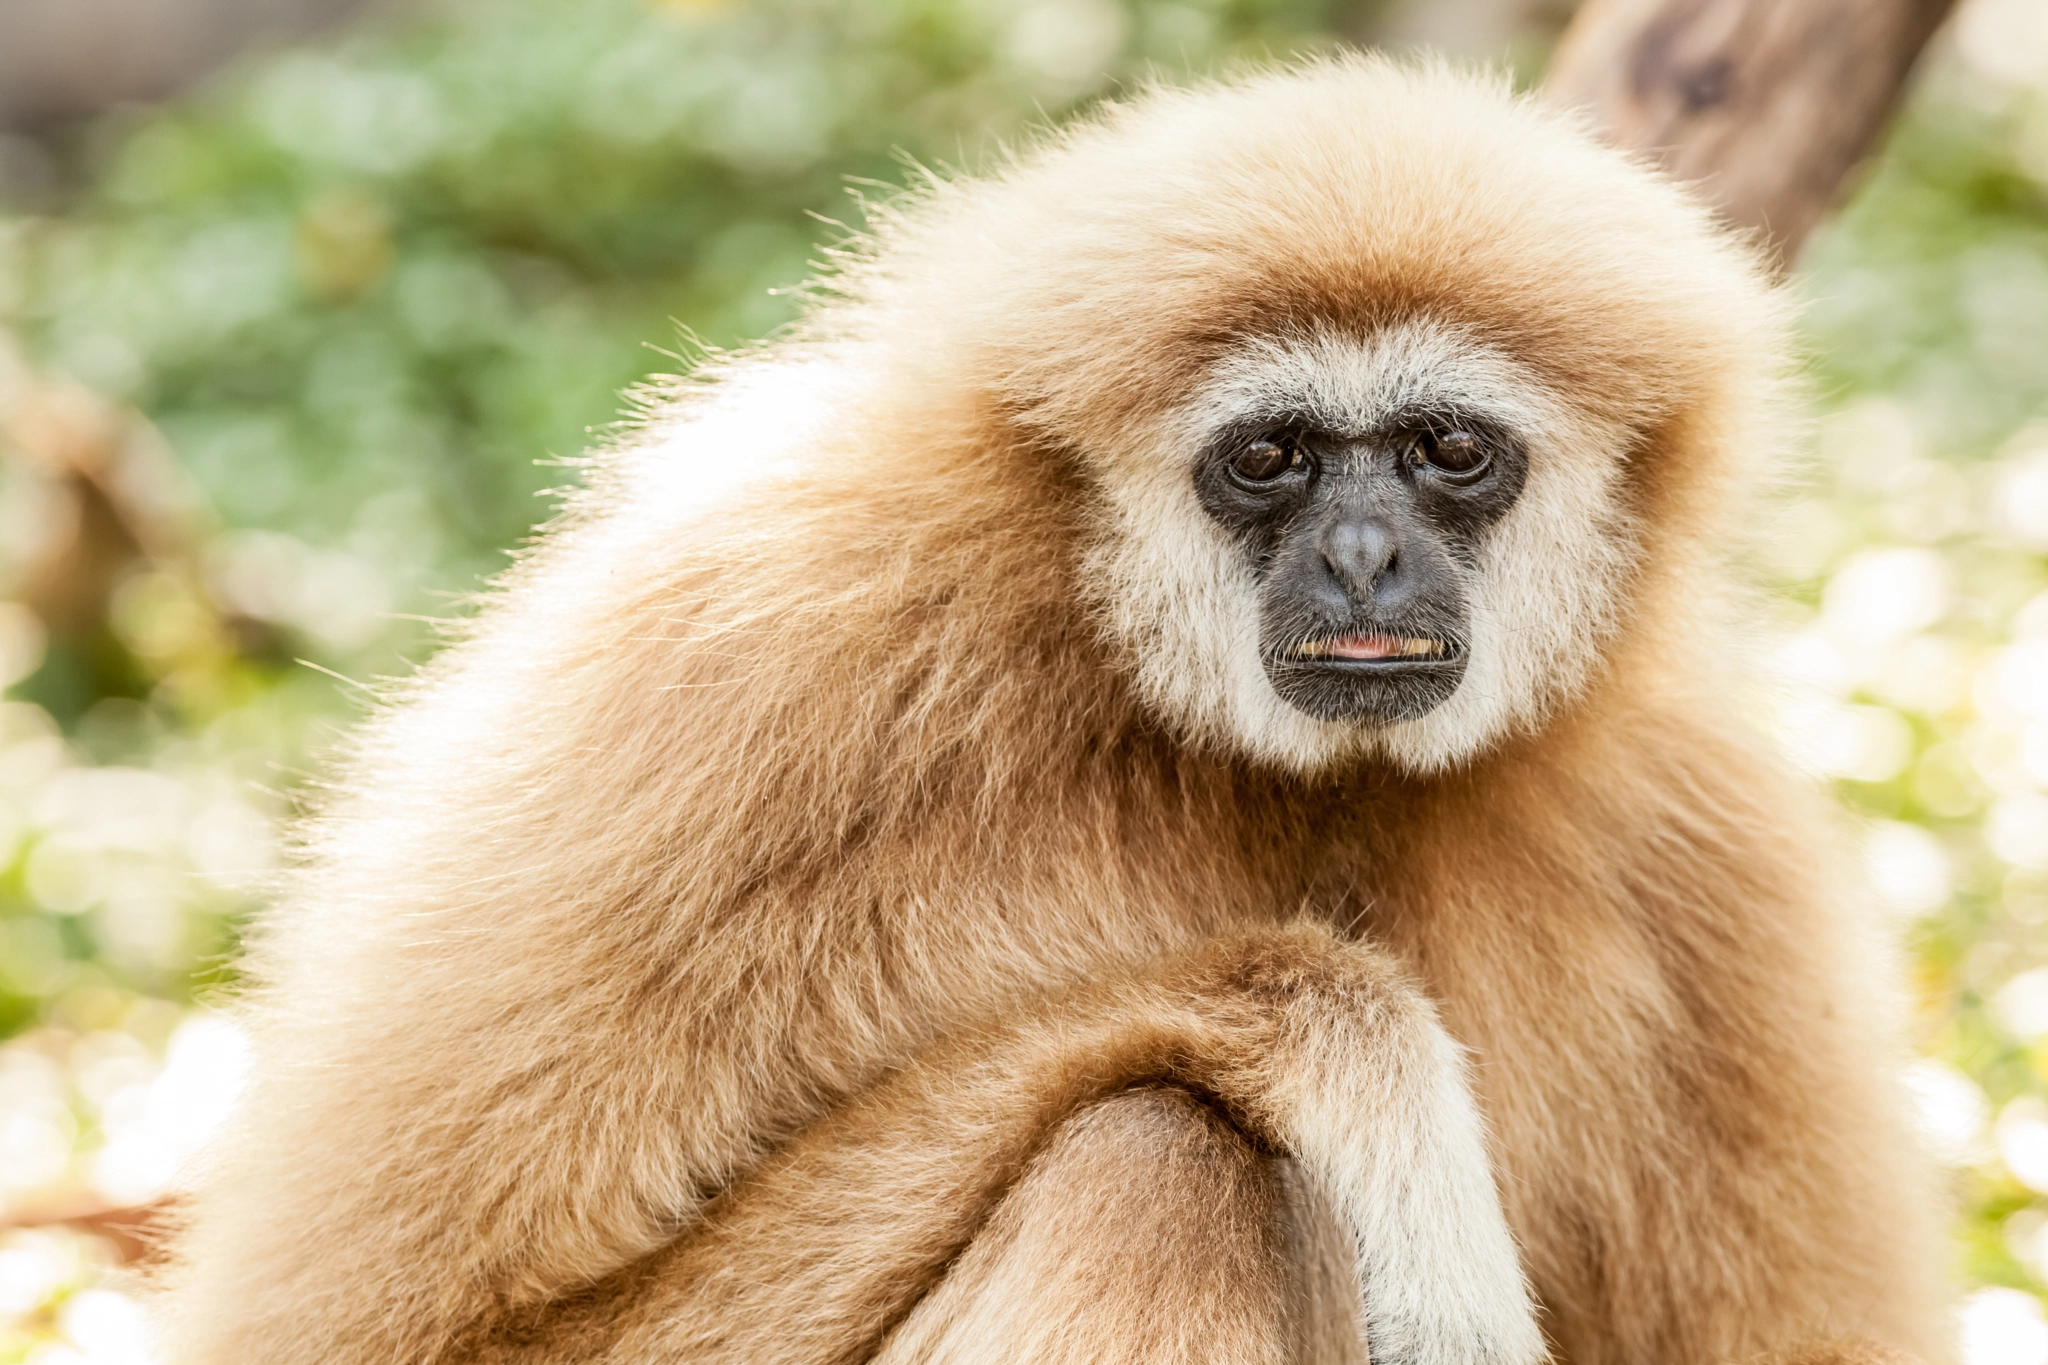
(1364, 647)
(1367, 647)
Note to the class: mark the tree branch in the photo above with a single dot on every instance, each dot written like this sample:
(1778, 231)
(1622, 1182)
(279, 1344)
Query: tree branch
(1767, 104)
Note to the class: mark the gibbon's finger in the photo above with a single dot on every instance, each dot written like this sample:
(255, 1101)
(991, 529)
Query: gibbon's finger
(1319, 1048)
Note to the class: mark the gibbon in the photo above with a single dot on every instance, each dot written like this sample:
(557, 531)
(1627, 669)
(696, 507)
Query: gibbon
(1166, 779)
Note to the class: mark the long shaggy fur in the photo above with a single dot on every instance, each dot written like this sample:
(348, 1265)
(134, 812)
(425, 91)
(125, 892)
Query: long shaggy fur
(853, 891)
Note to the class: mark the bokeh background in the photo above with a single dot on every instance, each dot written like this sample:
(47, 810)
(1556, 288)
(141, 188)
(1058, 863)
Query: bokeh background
(305, 305)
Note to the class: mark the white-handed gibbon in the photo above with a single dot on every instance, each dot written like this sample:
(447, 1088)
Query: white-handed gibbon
(1166, 780)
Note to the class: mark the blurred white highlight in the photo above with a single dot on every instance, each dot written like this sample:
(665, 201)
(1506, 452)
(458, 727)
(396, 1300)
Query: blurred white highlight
(1908, 868)
(1834, 739)
(2022, 501)
(2021, 1005)
(2005, 40)
(36, 1126)
(2016, 827)
(2003, 1327)
(154, 1133)
(1950, 1109)
(2022, 1134)
(33, 1265)
(105, 1328)
(1884, 595)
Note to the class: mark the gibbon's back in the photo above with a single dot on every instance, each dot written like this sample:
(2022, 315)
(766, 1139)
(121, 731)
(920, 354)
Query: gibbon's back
(893, 752)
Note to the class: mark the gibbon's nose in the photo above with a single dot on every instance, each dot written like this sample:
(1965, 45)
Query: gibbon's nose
(1363, 553)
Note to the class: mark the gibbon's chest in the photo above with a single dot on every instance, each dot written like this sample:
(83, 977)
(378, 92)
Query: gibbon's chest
(1573, 996)
(1559, 949)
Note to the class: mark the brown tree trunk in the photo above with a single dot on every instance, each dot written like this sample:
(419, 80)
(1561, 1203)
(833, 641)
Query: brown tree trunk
(1767, 105)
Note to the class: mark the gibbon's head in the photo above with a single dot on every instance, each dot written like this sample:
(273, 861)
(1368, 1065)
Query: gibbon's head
(1404, 401)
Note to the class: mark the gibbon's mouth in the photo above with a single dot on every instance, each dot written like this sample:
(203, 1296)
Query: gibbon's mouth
(1373, 649)
(1367, 677)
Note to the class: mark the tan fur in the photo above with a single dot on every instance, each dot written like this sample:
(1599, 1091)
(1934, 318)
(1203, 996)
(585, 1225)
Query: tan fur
(791, 927)
(1205, 1225)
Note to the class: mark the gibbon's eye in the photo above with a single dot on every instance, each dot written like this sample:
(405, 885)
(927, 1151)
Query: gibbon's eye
(1265, 461)
(1453, 452)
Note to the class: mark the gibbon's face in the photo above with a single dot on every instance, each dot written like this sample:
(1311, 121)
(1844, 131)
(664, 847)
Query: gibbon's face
(1400, 544)
(1360, 541)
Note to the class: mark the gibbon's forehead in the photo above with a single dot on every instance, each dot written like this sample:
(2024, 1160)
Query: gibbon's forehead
(1355, 386)
(1123, 263)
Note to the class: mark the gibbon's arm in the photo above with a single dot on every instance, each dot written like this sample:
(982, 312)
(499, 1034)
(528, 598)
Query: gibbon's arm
(1318, 1047)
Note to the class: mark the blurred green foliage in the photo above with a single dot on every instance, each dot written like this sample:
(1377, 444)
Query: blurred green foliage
(370, 296)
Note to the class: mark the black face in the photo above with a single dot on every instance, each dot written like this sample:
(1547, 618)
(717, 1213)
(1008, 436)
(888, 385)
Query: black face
(1361, 545)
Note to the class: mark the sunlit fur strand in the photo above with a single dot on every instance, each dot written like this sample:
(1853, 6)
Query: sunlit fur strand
(724, 815)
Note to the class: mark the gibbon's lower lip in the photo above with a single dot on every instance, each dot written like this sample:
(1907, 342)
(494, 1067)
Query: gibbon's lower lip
(1366, 647)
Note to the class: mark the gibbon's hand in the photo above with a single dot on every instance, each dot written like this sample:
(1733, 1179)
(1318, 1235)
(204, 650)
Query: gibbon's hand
(1318, 1048)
